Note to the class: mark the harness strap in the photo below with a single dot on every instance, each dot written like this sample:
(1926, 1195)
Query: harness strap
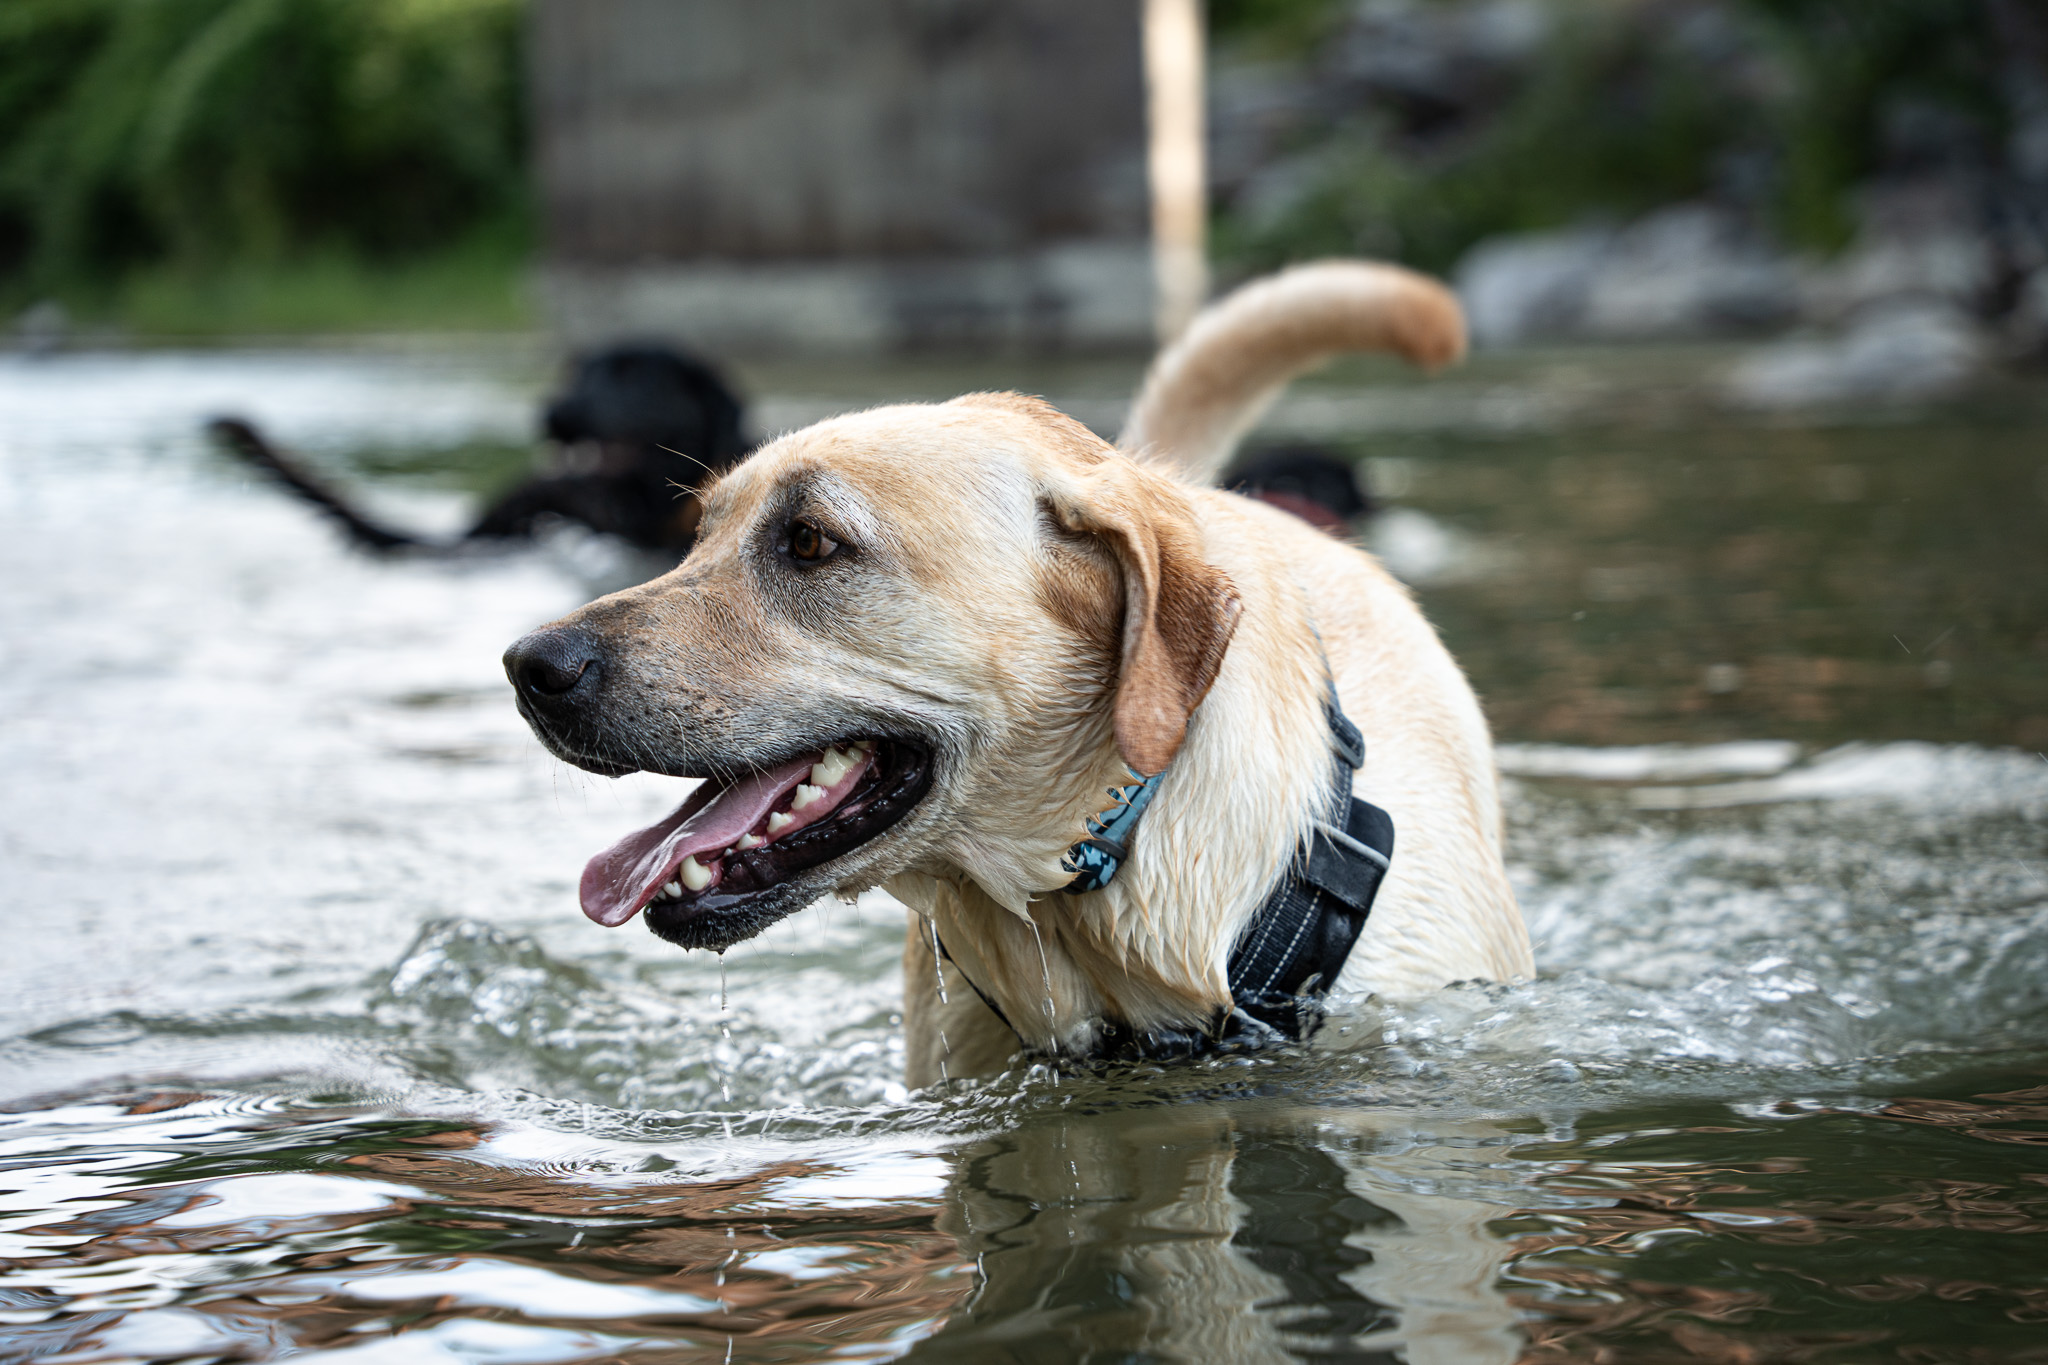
(1296, 943)
(1300, 938)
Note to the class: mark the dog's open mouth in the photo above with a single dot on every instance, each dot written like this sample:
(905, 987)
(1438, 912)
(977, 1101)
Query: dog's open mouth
(732, 850)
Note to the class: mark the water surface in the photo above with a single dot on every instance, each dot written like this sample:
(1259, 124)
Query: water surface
(304, 1048)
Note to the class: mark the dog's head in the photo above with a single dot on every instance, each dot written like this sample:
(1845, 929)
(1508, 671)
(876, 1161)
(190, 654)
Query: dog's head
(656, 421)
(910, 640)
(650, 396)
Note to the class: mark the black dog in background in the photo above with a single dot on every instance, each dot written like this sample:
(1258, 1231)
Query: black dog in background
(639, 426)
(1310, 481)
(643, 424)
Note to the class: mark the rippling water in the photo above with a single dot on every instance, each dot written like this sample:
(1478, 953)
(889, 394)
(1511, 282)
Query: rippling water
(307, 1051)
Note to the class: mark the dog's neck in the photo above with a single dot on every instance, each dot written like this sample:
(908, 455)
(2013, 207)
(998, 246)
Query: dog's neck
(1151, 949)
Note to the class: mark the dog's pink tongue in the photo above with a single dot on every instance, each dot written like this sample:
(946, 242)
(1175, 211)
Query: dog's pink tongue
(618, 881)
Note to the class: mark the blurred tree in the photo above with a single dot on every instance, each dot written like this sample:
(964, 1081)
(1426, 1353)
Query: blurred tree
(1429, 153)
(1275, 26)
(1420, 138)
(199, 132)
(1857, 66)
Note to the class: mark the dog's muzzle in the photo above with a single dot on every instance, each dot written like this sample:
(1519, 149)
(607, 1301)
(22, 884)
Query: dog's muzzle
(558, 673)
(556, 668)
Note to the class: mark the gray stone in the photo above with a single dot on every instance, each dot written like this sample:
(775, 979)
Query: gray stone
(1529, 286)
(2027, 328)
(1687, 271)
(1904, 351)
(1921, 239)
(1690, 270)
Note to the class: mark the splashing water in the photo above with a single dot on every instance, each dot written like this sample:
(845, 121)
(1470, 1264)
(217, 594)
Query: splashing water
(306, 1049)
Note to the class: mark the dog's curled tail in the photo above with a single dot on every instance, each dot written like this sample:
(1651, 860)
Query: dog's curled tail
(1207, 389)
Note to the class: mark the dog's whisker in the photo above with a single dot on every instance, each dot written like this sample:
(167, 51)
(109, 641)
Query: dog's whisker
(1016, 614)
(688, 456)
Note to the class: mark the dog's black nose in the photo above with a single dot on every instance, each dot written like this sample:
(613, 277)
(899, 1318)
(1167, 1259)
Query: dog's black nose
(554, 661)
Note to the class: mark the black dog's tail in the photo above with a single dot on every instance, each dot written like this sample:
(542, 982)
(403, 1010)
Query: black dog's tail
(242, 439)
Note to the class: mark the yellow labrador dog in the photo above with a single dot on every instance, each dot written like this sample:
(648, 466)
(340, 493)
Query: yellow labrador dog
(1096, 723)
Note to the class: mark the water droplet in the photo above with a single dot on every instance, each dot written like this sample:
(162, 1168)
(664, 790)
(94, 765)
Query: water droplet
(1045, 975)
(938, 960)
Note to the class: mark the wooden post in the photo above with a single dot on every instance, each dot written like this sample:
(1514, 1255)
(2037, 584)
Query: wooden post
(1180, 200)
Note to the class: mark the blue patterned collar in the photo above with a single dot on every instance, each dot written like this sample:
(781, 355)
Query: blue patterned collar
(1096, 860)
(1296, 944)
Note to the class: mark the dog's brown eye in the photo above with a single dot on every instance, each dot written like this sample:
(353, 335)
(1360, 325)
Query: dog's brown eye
(808, 543)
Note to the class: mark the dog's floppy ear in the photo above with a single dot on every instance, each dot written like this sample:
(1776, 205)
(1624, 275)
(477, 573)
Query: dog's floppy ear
(1179, 609)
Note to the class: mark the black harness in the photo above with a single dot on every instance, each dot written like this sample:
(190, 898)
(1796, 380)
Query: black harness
(1297, 942)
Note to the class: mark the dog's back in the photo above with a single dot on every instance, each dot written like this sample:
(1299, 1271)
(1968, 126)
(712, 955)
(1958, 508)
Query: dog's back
(1430, 755)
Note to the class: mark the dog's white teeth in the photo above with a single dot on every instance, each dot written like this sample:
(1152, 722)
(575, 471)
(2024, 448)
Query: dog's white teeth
(806, 795)
(674, 891)
(863, 744)
(748, 841)
(695, 875)
(780, 821)
(834, 765)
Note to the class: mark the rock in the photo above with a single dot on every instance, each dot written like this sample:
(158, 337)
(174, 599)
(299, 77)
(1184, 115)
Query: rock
(1920, 239)
(1344, 149)
(1441, 57)
(1530, 286)
(43, 327)
(1903, 351)
(2028, 326)
(1691, 270)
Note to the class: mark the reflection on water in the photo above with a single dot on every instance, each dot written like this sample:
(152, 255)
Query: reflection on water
(275, 1228)
(1637, 586)
(305, 1049)
(1272, 1215)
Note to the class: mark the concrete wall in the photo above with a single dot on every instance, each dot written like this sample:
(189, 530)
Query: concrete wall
(844, 174)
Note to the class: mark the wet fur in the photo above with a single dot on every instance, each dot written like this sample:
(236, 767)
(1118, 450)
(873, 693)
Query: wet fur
(1048, 612)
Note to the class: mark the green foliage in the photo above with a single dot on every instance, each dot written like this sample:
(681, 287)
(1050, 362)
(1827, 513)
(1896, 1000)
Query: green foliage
(1619, 112)
(1607, 121)
(1850, 62)
(200, 133)
(1275, 26)
(475, 285)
